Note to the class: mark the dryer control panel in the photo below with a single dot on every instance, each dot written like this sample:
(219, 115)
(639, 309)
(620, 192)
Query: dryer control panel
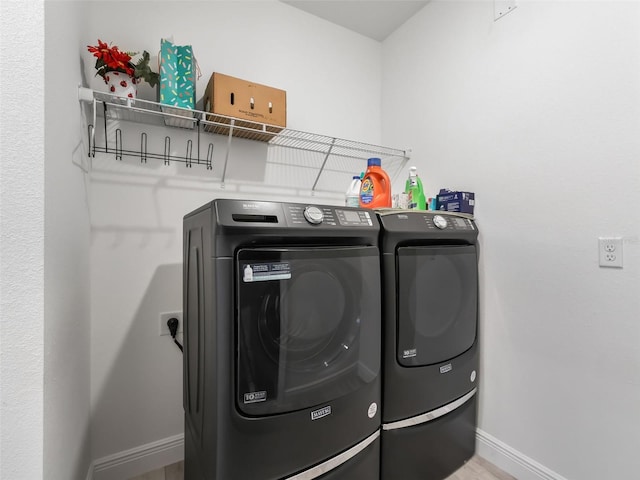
(448, 222)
(433, 221)
(431, 227)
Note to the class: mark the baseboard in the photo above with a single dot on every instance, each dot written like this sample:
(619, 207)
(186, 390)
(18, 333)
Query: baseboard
(138, 460)
(510, 460)
(145, 458)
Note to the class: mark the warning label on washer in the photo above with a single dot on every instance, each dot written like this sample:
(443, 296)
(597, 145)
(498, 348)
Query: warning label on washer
(261, 272)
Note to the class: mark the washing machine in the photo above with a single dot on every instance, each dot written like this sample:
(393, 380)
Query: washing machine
(430, 348)
(282, 342)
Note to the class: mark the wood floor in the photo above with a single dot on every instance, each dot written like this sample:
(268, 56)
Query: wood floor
(174, 471)
(479, 469)
(475, 469)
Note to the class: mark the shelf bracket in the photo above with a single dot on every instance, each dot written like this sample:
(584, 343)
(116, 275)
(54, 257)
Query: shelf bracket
(232, 123)
(324, 162)
(210, 157)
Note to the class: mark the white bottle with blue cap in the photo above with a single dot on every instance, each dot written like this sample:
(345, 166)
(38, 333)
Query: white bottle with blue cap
(352, 197)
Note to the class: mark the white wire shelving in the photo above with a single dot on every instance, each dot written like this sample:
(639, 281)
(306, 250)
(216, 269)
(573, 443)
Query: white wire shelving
(327, 161)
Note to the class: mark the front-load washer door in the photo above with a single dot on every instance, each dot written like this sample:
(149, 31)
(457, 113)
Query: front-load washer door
(437, 295)
(307, 326)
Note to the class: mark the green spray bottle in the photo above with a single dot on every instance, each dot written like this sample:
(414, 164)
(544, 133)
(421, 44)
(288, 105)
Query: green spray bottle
(413, 188)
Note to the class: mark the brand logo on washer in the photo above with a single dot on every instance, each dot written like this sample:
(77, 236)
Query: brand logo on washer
(446, 368)
(323, 412)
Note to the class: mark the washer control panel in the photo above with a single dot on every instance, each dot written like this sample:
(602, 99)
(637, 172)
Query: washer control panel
(350, 218)
(315, 215)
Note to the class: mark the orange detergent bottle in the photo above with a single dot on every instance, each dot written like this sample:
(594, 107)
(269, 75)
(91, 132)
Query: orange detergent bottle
(375, 190)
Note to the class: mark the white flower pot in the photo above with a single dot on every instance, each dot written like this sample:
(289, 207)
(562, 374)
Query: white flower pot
(121, 84)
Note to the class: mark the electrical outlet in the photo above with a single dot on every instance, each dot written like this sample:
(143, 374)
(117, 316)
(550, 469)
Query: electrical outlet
(610, 251)
(164, 317)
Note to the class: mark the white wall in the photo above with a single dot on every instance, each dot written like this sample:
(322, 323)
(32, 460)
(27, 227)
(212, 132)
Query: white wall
(332, 79)
(66, 301)
(21, 239)
(531, 112)
(539, 114)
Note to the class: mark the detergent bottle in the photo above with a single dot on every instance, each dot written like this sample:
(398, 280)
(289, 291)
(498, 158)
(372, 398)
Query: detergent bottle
(413, 188)
(352, 197)
(375, 190)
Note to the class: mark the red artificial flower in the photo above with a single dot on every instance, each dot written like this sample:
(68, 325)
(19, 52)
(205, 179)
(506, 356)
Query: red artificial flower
(118, 60)
(111, 59)
(100, 51)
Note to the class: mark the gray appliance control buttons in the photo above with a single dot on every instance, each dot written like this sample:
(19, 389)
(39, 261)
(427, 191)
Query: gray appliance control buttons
(313, 215)
(440, 222)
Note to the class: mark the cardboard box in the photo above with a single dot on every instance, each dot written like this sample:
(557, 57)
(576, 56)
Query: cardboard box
(261, 111)
(456, 201)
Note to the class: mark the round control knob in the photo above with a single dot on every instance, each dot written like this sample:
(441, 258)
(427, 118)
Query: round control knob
(313, 215)
(440, 222)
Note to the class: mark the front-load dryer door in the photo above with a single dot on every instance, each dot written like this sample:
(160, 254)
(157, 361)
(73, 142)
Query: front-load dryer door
(437, 295)
(307, 326)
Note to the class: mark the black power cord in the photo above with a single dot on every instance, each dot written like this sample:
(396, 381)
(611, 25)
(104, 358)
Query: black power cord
(173, 323)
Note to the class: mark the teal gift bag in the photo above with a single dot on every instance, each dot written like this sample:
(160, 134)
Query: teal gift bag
(177, 80)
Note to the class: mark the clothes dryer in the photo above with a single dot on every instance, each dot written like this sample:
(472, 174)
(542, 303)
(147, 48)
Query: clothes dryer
(430, 353)
(282, 342)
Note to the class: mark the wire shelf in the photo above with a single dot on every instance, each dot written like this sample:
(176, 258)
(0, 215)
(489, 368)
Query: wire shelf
(324, 160)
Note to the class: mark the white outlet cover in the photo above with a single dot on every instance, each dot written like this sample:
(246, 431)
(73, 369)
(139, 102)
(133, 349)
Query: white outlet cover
(610, 252)
(164, 317)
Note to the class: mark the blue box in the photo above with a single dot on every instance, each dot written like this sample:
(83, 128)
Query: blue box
(455, 201)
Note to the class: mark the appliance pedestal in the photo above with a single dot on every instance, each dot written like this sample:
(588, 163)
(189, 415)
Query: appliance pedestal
(431, 450)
